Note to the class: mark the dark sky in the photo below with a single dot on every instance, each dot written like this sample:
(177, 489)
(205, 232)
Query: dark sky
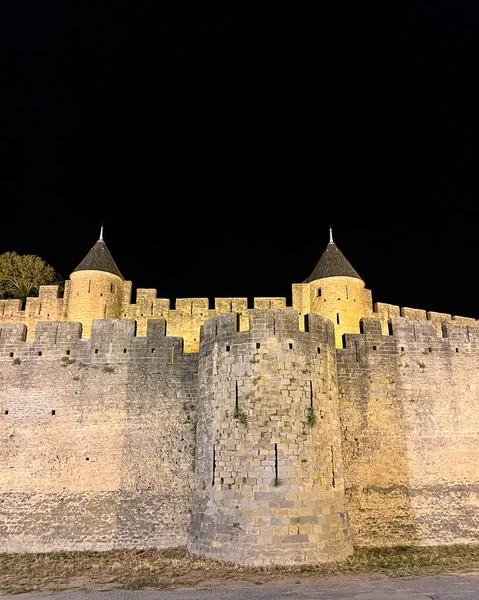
(217, 142)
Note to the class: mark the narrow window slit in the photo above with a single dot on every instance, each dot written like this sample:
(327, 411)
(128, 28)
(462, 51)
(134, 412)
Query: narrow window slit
(276, 460)
(214, 464)
(306, 323)
(333, 483)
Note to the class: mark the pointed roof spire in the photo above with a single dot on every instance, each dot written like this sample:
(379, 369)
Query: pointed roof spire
(99, 259)
(332, 263)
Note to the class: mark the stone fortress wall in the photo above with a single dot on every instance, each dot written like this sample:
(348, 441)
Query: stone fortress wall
(264, 435)
(408, 405)
(269, 483)
(96, 437)
(125, 441)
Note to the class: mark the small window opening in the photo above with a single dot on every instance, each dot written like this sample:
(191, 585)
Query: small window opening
(337, 318)
(390, 328)
(227, 348)
(457, 349)
(96, 350)
(258, 346)
(290, 346)
(53, 411)
(402, 348)
(11, 354)
(6, 412)
(347, 293)
(430, 349)
(319, 350)
(375, 347)
(125, 350)
(67, 352)
(306, 323)
(153, 350)
(40, 353)
(319, 292)
(236, 395)
(89, 286)
(87, 458)
(112, 287)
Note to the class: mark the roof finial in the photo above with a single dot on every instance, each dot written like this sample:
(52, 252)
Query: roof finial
(331, 235)
(101, 233)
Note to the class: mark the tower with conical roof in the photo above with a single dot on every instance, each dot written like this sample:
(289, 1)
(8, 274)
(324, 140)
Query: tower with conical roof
(96, 288)
(336, 291)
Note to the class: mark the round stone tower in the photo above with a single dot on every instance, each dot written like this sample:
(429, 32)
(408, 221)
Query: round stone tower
(337, 292)
(96, 288)
(269, 485)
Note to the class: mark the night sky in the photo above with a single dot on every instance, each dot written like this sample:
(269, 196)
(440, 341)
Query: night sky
(217, 143)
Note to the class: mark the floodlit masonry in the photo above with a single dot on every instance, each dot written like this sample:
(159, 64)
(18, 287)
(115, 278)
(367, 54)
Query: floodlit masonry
(267, 435)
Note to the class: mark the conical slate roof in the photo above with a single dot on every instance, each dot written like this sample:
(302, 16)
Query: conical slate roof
(99, 259)
(332, 263)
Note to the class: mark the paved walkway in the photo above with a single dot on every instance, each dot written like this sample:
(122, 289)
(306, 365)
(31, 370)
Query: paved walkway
(456, 586)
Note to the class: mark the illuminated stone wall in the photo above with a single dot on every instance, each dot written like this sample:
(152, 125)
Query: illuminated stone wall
(409, 403)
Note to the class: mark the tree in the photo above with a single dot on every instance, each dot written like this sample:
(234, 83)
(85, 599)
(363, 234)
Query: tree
(21, 275)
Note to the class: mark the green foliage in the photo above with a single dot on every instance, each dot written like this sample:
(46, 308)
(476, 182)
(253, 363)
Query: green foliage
(67, 361)
(277, 482)
(310, 416)
(108, 369)
(16, 361)
(21, 275)
(240, 416)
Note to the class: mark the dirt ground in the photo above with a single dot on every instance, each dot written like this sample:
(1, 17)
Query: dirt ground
(174, 568)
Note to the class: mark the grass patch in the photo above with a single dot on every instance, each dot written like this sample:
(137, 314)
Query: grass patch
(175, 567)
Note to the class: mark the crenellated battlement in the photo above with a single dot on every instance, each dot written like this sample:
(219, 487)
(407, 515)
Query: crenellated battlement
(262, 323)
(112, 340)
(404, 331)
(385, 312)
